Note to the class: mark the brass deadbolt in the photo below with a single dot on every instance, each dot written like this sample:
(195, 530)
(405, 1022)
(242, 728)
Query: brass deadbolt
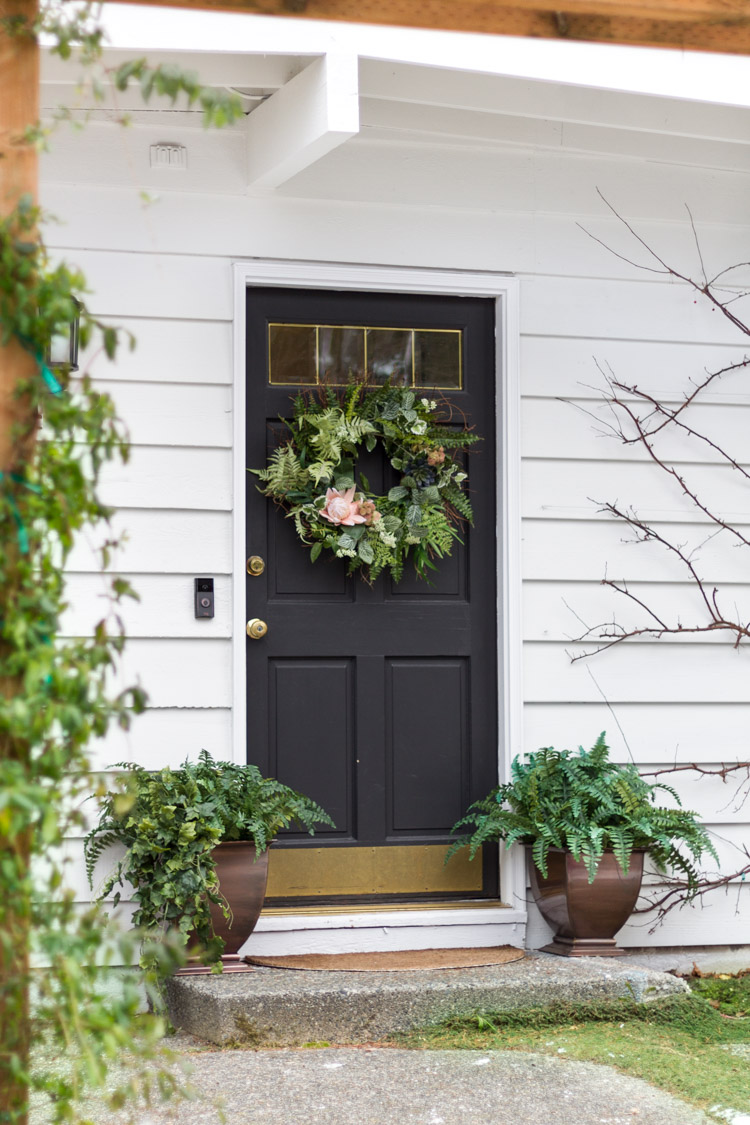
(256, 629)
(255, 565)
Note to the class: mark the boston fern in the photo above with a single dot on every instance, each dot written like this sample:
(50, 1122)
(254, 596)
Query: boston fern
(588, 805)
(169, 822)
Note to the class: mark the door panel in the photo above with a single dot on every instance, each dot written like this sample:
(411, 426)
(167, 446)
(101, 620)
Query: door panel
(380, 701)
(297, 687)
(428, 758)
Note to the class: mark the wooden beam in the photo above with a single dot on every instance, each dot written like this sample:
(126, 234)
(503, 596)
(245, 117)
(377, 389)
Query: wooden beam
(19, 108)
(313, 114)
(704, 25)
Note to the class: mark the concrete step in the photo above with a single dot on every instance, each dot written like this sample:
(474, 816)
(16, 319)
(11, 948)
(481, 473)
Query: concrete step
(286, 1007)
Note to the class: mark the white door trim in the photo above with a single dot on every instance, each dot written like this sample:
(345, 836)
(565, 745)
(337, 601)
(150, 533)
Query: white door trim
(505, 290)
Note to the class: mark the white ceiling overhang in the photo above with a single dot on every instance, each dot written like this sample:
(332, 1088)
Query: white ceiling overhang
(302, 105)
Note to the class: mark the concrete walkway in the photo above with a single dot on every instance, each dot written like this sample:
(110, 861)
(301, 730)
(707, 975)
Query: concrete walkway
(382, 1086)
(373, 1085)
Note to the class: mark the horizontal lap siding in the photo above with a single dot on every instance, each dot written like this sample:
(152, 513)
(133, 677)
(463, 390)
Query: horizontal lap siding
(172, 500)
(662, 702)
(166, 736)
(166, 275)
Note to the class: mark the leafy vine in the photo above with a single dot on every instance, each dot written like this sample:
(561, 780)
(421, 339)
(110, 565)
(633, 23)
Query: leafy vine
(57, 434)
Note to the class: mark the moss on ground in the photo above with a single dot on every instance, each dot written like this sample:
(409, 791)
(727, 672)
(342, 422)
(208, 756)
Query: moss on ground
(728, 993)
(683, 1044)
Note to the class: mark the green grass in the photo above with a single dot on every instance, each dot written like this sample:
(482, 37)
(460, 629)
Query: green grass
(683, 1045)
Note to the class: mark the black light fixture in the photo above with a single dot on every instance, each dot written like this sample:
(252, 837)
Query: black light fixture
(63, 347)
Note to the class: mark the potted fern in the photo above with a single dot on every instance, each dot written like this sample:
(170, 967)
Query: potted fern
(587, 822)
(196, 848)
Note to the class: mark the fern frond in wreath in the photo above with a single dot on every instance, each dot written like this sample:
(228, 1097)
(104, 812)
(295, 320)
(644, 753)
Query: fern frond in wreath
(314, 478)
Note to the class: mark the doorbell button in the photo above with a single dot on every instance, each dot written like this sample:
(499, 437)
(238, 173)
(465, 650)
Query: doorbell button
(204, 597)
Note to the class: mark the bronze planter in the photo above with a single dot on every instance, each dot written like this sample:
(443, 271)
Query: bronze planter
(242, 881)
(586, 916)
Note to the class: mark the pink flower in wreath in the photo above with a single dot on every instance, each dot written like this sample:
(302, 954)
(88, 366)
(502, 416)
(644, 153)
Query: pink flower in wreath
(341, 508)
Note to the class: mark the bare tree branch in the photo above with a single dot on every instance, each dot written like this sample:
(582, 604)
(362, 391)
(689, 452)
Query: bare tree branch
(639, 419)
(678, 894)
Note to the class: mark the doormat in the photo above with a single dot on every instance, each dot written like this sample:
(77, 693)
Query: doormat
(396, 962)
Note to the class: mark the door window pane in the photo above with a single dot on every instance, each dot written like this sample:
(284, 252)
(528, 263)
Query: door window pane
(292, 354)
(437, 359)
(341, 354)
(389, 352)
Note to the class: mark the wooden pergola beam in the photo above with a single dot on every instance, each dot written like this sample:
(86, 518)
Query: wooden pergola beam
(19, 108)
(703, 25)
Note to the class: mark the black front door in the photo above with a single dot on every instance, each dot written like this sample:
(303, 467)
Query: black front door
(380, 701)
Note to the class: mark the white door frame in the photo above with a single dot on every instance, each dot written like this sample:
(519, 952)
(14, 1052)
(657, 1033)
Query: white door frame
(505, 290)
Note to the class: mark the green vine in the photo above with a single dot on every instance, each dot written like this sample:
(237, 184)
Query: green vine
(75, 34)
(56, 692)
(315, 478)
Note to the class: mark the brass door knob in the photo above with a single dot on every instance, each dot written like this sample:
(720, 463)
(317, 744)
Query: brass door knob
(256, 629)
(255, 565)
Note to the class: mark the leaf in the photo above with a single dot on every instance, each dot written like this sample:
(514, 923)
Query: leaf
(315, 551)
(397, 493)
(365, 551)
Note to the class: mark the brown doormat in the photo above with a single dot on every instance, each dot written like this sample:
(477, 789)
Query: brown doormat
(401, 961)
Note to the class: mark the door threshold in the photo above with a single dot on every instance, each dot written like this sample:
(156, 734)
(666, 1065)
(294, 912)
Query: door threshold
(371, 926)
(383, 907)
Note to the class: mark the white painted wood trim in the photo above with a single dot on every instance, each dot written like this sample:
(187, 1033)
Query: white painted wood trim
(505, 290)
(311, 115)
(495, 915)
(239, 474)
(395, 279)
(357, 933)
(510, 632)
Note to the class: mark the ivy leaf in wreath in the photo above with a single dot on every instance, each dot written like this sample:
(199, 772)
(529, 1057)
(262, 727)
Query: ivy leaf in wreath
(313, 477)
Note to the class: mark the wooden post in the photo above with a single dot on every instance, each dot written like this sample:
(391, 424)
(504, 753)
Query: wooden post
(19, 108)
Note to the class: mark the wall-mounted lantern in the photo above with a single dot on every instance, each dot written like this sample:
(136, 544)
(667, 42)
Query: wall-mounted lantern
(63, 347)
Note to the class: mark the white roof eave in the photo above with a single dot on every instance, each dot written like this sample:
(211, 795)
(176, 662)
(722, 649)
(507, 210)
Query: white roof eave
(689, 75)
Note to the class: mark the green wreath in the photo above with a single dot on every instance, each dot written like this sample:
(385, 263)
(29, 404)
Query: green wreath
(313, 476)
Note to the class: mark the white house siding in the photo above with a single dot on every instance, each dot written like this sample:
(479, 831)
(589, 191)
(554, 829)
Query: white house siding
(447, 187)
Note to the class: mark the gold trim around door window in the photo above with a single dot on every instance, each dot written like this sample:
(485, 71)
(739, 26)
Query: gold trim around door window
(397, 870)
(276, 378)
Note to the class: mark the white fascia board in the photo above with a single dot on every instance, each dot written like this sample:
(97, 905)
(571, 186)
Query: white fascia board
(308, 117)
(689, 75)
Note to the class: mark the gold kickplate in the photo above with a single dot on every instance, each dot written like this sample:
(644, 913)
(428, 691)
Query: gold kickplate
(314, 872)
